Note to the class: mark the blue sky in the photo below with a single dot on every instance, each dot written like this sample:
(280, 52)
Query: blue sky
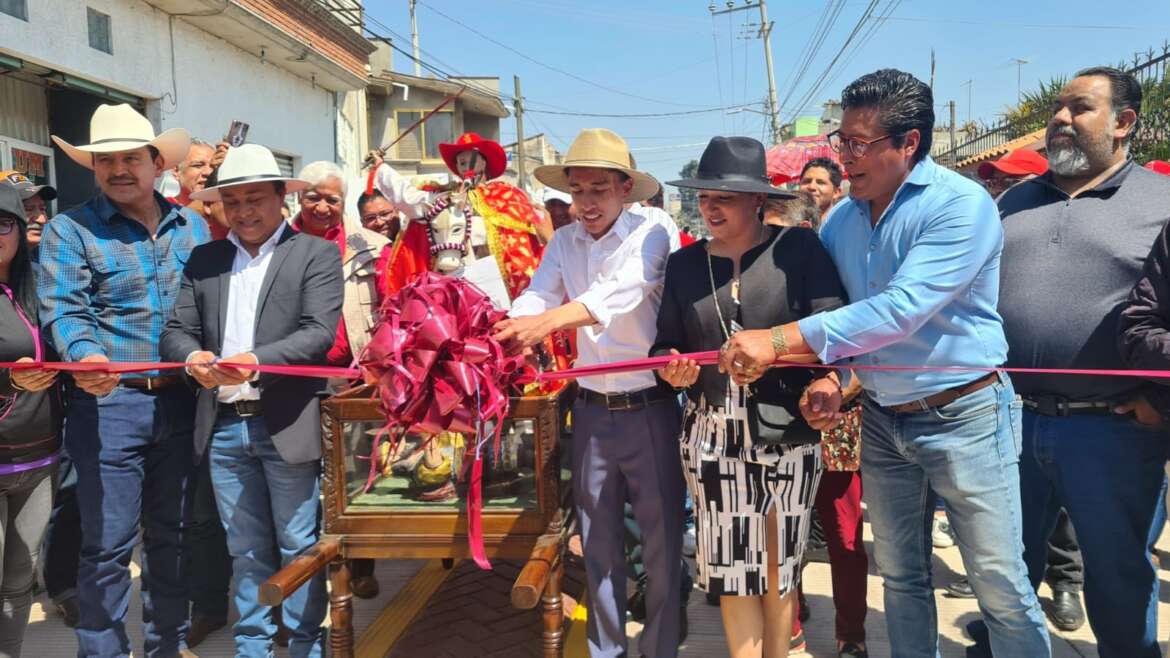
(667, 56)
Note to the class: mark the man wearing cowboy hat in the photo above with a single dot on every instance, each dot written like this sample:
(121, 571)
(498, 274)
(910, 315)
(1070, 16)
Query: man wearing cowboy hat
(267, 294)
(610, 265)
(110, 271)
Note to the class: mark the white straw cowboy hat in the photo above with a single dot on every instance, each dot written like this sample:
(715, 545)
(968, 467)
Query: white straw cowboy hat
(250, 163)
(602, 149)
(116, 128)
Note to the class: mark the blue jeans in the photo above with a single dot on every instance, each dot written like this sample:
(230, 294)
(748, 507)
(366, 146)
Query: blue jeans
(966, 453)
(132, 451)
(270, 511)
(1107, 472)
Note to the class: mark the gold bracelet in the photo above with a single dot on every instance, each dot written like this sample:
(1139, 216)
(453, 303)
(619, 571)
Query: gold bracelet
(779, 343)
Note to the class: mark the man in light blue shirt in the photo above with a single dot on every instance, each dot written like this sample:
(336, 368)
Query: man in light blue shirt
(918, 249)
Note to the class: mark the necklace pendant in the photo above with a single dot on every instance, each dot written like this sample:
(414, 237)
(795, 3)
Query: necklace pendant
(735, 290)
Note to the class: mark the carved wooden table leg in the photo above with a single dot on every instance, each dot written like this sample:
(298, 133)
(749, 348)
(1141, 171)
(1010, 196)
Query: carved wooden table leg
(551, 605)
(340, 610)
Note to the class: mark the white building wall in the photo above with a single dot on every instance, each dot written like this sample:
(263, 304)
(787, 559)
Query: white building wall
(214, 82)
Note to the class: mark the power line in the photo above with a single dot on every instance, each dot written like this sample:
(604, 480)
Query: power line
(718, 68)
(652, 115)
(1045, 26)
(865, 16)
(548, 66)
(813, 46)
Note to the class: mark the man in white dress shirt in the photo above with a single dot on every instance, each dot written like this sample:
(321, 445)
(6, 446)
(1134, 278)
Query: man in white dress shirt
(271, 295)
(610, 266)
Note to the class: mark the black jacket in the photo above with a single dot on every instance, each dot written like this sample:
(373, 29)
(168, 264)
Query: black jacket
(788, 277)
(1144, 325)
(296, 321)
(31, 425)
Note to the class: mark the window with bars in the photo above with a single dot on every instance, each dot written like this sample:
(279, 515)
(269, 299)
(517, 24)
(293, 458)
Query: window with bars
(99, 31)
(423, 143)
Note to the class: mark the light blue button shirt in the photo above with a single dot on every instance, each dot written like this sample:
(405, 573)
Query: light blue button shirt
(924, 284)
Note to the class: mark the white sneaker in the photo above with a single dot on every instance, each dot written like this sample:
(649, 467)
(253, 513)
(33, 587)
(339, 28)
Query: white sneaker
(690, 543)
(942, 536)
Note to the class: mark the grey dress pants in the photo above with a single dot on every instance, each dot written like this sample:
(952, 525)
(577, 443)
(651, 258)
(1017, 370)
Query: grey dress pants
(630, 453)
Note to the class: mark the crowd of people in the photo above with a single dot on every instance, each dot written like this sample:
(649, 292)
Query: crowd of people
(918, 284)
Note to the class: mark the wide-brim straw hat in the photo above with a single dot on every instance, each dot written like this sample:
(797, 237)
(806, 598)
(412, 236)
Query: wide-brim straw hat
(600, 149)
(243, 165)
(733, 164)
(117, 128)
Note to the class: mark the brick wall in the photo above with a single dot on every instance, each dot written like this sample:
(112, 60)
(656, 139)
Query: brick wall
(312, 25)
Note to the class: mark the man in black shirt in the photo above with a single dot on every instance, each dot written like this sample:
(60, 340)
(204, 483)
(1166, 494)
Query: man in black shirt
(1074, 242)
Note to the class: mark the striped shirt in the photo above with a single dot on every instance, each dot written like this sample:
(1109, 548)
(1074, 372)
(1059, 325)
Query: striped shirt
(106, 287)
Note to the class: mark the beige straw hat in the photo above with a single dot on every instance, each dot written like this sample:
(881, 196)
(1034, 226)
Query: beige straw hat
(602, 149)
(116, 128)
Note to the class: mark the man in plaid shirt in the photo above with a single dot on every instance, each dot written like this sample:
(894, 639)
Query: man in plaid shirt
(110, 271)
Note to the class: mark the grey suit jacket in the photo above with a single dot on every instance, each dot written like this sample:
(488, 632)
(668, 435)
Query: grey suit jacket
(296, 323)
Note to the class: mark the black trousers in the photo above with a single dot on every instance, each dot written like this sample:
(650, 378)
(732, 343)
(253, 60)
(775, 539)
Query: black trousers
(1066, 570)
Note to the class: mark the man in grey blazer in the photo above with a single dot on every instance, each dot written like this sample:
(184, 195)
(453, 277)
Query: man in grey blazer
(266, 295)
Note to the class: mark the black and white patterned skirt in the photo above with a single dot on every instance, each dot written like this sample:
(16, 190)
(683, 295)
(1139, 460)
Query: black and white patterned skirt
(734, 486)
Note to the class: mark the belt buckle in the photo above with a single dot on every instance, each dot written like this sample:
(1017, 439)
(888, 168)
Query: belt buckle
(622, 402)
(240, 412)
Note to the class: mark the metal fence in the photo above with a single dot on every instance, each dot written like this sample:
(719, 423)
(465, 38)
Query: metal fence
(1151, 141)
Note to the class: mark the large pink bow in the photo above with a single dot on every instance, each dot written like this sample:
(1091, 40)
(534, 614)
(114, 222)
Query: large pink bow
(439, 370)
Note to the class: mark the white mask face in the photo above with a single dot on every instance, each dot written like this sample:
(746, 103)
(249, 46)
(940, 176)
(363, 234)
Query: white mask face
(448, 238)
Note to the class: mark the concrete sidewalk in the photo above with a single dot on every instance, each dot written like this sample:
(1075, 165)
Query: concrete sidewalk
(48, 637)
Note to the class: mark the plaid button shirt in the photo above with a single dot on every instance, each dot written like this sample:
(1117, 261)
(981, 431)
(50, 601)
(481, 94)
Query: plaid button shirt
(105, 286)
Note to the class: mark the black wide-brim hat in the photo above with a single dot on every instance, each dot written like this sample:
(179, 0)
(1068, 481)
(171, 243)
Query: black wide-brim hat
(733, 164)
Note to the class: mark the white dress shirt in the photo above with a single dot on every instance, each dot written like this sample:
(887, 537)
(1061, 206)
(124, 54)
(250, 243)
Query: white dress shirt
(659, 216)
(239, 330)
(618, 278)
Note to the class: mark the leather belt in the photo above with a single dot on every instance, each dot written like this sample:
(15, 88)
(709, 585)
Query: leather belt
(242, 408)
(943, 398)
(626, 401)
(1058, 405)
(151, 384)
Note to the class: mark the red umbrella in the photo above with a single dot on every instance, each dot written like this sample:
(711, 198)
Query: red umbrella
(786, 160)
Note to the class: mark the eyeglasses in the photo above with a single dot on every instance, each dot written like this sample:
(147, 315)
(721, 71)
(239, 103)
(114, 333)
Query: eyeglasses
(7, 226)
(385, 216)
(857, 147)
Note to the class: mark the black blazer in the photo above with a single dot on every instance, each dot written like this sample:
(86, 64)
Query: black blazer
(296, 323)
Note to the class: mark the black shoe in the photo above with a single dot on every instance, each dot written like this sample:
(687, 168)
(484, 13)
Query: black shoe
(1066, 612)
(636, 606)
(201, 627)
(852, 650)
(977, 631)
(69, 611)
(364, 587)
(960, 589)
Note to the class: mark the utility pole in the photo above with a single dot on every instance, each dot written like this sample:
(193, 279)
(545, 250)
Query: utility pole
(1019, 68)
(414, 38)
(765, 34)
(521, 166)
